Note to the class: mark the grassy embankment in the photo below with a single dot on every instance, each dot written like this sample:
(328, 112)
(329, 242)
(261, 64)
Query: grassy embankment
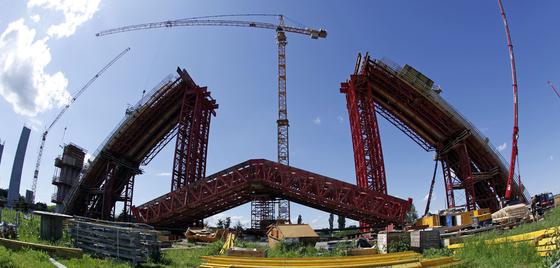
(478, 254)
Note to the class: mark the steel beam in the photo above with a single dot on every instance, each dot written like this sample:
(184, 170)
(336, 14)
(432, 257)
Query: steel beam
(189, 162)
(244, 182)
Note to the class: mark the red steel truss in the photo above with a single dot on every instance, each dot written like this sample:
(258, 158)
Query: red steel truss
(366, 140)
(412, 104)
(176, 107)
(242, 183)
(189, 163)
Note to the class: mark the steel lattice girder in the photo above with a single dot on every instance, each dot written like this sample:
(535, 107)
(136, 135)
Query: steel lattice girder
(438, 124)
(366, 140)
(189, 162)
(144, 129)
(241, 183)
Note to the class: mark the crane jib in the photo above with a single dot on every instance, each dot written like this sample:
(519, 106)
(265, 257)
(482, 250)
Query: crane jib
(313, 33)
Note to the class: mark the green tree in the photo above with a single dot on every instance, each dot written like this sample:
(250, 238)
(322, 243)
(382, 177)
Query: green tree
(238, 226)
(40, 206)
(341, 222)
(220, 224)
(227, 223)
(331, 221)
(299, 220)
(411, 215)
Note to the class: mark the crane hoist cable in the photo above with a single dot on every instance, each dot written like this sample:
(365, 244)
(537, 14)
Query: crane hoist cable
(554, 88)
(59, 115)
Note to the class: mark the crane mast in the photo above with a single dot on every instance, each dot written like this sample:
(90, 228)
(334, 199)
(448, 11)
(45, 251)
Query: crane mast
(282, 122)
(59, 115)
(515, 136)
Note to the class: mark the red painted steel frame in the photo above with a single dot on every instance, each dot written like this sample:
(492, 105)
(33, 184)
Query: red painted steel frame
(139, 137)
(189, 163)
(469, 162)
(368, 155)
(242, 183)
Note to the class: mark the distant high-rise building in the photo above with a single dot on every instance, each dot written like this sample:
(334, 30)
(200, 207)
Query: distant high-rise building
(1, 151)
(15, 179)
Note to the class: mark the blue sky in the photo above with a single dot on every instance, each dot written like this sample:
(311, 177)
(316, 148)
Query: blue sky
(459, 44)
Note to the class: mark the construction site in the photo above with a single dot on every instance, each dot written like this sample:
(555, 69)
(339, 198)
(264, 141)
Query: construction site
(107, 208)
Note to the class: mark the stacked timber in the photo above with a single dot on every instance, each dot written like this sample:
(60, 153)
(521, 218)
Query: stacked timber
(421, 240)
(509, 214)
(135, 243)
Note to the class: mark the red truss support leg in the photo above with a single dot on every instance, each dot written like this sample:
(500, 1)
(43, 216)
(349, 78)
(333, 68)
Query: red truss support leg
(466, 174)
(127, 199)
(457, 164)
(105, 199)
(189, 162)
(366, 140)
(448, 176)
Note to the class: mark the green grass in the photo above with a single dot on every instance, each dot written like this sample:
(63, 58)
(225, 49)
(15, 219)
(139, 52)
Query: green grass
(187, 257)
(478, 254)
(299, 251)
(28, 230)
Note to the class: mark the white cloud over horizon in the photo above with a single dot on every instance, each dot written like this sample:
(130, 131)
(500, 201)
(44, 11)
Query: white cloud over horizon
(24, 83)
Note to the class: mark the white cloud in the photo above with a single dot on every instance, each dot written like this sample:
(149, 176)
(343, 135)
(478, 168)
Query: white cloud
(317, 121)
(35, 18)
(340, 119)
(427, 195)
(76, 12)
(23, 81)
(551, 158)
(88, 157)
(502, 147)
(163, 174)
(212, 221)
(35, 124)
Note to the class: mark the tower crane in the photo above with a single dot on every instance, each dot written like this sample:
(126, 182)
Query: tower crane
(281, 29)
(59, 115)
(554, 88)
(514, 150)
